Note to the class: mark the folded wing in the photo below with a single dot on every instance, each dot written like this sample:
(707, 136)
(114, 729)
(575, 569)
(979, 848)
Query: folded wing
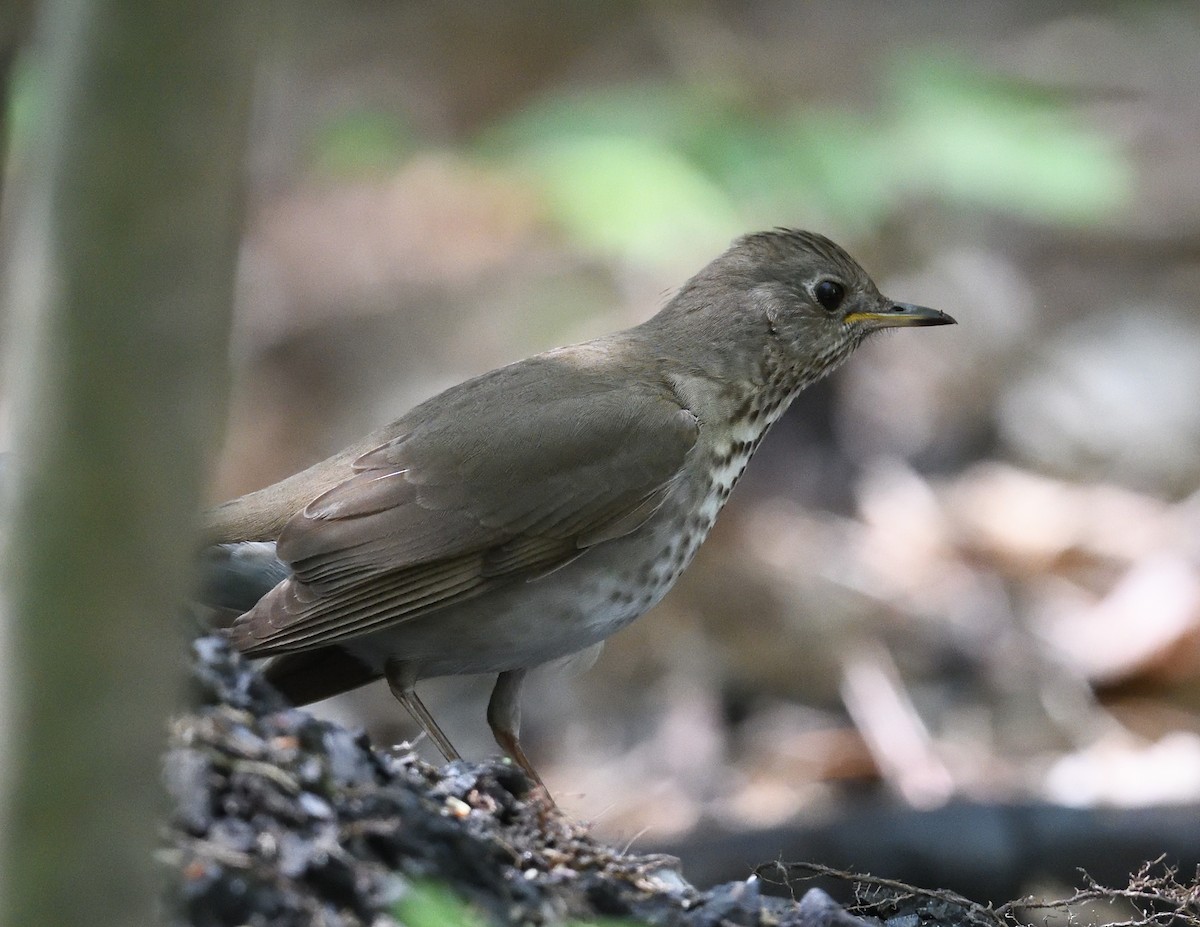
(469, 495)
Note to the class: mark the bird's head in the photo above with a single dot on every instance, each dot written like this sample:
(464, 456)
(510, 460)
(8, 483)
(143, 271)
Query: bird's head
(796, 294)
(816, 296)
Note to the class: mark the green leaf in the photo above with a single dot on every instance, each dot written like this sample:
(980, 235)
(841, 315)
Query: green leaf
(975, 137)
(431, 904)
(633, 197)
(644, 111)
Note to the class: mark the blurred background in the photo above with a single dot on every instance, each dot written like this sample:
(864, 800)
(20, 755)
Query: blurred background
(966, 568)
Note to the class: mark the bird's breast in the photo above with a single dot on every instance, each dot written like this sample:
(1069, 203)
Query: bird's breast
(727, 448)
(718, 462)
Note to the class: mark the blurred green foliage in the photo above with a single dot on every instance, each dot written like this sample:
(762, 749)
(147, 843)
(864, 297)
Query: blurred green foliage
(1002, 143)
(361, 142)
(427, 903)
(653, 172)
(26, 103)
(431, 904)
(633, 196)
(646, 169)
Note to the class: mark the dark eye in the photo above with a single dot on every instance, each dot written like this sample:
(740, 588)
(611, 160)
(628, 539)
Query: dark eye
(829, 294)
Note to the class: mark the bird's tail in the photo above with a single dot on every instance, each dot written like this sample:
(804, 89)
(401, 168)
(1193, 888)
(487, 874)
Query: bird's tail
(313, 675)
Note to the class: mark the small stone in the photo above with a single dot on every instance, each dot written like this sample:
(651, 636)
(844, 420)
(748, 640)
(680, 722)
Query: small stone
(817, 909)
(185, 776)
(234, 834)
(315, 806)
(293, 854)
(349, 762)
(732, 903)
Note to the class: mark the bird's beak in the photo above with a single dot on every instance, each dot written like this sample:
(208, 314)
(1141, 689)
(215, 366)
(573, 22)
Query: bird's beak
(899, 315)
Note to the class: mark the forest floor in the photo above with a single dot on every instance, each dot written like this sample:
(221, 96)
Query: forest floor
(280, 818)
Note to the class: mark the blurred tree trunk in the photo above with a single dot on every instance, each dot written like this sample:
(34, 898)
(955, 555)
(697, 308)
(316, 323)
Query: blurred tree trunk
(120, 287)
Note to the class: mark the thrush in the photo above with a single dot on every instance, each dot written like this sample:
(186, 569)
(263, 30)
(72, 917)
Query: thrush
(527, 514)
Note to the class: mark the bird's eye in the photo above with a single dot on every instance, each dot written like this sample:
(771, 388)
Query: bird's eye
(829, 294)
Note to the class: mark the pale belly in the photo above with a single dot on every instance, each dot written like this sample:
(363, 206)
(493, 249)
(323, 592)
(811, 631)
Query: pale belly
(528, 623)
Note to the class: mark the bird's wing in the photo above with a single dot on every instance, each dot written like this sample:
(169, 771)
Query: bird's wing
(507, 479)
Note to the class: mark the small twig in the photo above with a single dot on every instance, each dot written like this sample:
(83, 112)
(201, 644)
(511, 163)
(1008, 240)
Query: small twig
(982, 914)
(267, 771)
(1161, 900)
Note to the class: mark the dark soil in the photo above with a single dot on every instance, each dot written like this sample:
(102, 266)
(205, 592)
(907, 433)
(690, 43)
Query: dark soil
(283, 819)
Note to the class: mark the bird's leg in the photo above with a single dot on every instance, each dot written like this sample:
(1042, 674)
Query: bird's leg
(401, 678)
(504, 718)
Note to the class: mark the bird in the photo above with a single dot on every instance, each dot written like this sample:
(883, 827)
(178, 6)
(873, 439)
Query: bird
(527, 514)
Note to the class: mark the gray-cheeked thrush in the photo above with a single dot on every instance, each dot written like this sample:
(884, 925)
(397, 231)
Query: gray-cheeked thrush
(529, 513)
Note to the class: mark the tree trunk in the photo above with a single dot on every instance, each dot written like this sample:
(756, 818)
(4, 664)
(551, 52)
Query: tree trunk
(120, 288)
